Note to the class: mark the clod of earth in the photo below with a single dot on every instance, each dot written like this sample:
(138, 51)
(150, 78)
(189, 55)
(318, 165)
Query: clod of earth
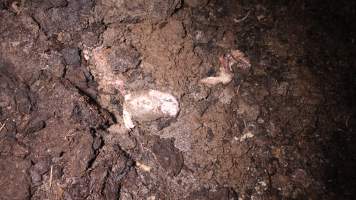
(148, 105)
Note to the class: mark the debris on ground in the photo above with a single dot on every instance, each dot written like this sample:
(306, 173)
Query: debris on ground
(246, 136)
(224, 76)
(2, 126)
(143, 167)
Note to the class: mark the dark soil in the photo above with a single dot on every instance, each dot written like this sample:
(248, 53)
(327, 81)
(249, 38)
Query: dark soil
(284, 129)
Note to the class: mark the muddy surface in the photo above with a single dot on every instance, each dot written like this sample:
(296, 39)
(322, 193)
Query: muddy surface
(282, 128)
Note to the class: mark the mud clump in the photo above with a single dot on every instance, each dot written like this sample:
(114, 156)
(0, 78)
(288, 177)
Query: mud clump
(168, 156)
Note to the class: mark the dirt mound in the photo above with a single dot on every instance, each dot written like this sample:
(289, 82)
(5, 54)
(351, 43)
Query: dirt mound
(276, 123)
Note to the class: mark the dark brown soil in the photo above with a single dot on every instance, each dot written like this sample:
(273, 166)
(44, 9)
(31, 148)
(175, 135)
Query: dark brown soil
(283, 129)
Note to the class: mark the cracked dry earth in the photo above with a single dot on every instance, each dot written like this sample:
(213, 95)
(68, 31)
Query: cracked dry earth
(280, 130)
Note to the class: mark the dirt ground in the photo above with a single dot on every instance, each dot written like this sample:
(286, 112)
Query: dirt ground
(283, 128)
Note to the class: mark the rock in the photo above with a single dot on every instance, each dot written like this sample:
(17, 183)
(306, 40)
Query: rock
(148, 105)
(169, 157)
